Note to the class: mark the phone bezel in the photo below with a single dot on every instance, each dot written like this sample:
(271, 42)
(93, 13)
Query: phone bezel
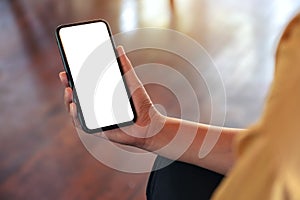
(72, 85)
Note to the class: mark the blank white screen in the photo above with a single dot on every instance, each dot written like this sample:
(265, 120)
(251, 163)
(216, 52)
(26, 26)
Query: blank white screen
(91, 60)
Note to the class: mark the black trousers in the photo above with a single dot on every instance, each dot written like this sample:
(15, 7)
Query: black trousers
(181, 181)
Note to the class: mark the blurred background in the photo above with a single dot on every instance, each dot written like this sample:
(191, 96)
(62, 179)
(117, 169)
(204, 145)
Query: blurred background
(41, 156)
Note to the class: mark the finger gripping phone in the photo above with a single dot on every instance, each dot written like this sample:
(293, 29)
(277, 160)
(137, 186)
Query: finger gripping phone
(94, 73)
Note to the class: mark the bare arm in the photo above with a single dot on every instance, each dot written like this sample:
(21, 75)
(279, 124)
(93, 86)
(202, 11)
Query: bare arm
(173, 138)
(190, 139)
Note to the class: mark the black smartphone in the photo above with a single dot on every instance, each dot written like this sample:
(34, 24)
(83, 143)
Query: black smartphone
(94, 73)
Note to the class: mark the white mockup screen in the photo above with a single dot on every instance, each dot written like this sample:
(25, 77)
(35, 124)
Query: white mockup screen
(96, 75)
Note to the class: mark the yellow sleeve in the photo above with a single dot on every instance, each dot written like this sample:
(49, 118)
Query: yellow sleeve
(268, 154)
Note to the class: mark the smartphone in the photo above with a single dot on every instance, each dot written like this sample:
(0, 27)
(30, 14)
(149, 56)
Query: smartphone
(94, 73)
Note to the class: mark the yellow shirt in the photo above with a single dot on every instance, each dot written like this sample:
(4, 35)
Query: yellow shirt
(268, 154)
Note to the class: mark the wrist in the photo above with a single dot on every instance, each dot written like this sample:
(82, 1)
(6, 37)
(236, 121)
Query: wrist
(160, 133)
(156, 127)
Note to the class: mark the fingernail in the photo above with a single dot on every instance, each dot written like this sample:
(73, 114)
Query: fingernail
(121, 49)
(59, 75)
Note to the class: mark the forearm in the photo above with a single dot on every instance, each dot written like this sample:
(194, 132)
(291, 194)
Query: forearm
(182, 140)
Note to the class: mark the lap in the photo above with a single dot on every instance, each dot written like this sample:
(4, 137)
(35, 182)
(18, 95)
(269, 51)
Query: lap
(181, 181)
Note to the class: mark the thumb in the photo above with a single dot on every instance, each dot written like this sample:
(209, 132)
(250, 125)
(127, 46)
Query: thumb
(130, 76)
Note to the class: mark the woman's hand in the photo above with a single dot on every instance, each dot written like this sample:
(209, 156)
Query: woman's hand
(154, 132)
(149, 120)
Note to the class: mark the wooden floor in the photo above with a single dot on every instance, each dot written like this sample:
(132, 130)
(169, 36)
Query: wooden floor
(41, 156)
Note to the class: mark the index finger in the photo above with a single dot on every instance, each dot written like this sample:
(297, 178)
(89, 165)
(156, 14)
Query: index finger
(63, 78)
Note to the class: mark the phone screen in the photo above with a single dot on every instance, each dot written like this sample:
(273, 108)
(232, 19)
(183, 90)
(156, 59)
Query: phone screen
(94, 72)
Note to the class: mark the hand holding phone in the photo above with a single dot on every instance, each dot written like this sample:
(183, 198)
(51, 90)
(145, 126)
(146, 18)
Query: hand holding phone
(137, 134)
(146, 115)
